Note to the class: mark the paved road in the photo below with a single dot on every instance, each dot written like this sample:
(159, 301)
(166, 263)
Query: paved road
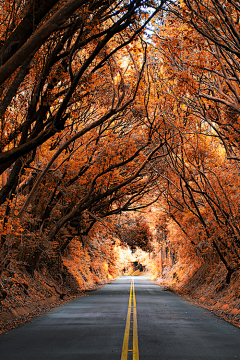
(93, 328)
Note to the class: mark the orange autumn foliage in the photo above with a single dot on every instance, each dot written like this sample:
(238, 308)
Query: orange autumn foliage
(102, 118)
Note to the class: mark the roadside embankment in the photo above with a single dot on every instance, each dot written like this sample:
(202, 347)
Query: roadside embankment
(23, 296)
(207, 287)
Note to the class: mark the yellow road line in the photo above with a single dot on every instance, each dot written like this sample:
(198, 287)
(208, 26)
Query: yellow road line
(135, 333)
(125, 349)
(127, 328)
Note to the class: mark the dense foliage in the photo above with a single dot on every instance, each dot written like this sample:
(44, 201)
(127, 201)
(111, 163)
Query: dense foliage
(108, 107)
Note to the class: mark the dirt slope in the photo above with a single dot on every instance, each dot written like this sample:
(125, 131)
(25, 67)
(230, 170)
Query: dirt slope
(23, 296)
(207, 287)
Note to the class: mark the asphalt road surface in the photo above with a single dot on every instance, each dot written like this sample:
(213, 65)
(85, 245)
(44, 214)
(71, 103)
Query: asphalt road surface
(130, 319)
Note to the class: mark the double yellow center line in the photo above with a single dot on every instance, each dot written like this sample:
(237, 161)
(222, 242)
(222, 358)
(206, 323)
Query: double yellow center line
(131, 319)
